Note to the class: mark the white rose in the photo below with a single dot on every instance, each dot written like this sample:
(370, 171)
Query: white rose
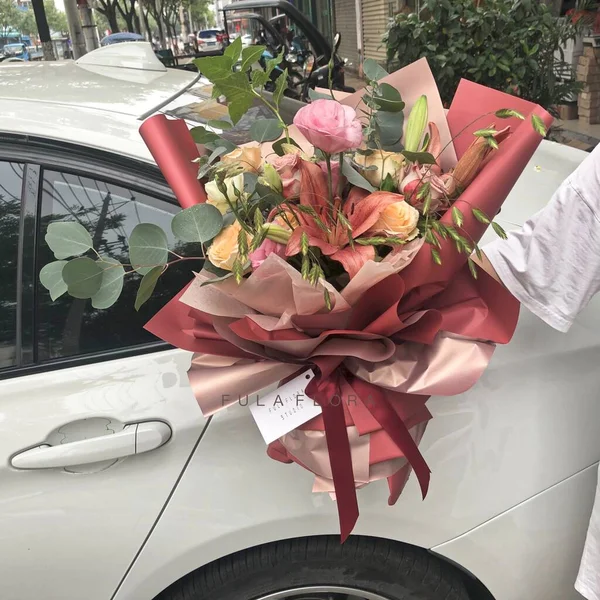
(217, 199)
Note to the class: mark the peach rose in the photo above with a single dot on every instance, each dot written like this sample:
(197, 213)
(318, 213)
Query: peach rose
(224, 249)
(248, 158)
(387, 163)
(398, 219)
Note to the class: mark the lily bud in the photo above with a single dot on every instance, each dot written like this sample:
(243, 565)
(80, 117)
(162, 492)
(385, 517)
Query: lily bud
(276, 233)
(271, 178)
(293, 149)
(474, 157)
(415, 126)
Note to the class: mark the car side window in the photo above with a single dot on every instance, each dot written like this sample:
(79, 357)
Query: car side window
(11, 181)
(69, 327)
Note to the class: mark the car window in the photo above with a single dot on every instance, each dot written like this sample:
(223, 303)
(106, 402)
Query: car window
(70, 327)
(205, 35)
(11, 181)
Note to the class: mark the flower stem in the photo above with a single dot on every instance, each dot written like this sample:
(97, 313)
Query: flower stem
(341, 178)
(329, 177)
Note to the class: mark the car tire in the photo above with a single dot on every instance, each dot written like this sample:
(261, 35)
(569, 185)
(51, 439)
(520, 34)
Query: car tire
(385, 569)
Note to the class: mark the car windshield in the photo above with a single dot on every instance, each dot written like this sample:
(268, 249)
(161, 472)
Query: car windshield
(208, 34)
(13, 48)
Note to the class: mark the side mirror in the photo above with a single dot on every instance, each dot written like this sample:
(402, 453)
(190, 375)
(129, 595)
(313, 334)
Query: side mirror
(337, 39)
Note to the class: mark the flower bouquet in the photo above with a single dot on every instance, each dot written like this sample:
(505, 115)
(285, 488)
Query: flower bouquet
(335, 252)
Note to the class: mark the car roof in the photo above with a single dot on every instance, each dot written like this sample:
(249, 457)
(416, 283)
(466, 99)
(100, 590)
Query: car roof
(90, 102)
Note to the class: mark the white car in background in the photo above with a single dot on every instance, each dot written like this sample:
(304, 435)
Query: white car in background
(115, 487)
(210, 40)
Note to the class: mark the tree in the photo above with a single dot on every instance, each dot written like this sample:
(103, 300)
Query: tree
(200, 10)
(9, 15)
(57, 21)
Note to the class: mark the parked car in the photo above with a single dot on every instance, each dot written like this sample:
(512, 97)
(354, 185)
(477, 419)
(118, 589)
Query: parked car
(115, 487)
(118, 38)
(18, 50)
(211, 39)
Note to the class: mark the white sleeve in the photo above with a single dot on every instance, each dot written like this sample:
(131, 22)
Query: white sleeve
(552, 264)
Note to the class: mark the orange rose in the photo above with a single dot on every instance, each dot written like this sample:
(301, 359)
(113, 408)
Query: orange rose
(248, 158)
(398, 219)
(224, 249)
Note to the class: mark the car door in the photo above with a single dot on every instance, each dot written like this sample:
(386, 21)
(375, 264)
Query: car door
(97, 420)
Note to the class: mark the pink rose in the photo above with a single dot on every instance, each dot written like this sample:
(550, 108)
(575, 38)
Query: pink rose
(329, 126)
(267, 247)
(288, 168)
(335, 174)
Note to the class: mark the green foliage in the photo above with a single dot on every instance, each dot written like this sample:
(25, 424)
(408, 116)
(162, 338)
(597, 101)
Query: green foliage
(373, 71)
(265, 130)
(508, 45)
(51, 278)
(199, 223)
(250, 56)
(355, 178)
(147, 247)
(147, 286)
(111, 284)
(83, 277)
(424, 158)
(67, 238)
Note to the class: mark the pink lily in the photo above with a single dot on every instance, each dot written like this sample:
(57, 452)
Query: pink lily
(360, 209)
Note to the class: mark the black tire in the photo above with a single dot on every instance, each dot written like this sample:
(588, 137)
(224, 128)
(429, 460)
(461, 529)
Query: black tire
(391, 570)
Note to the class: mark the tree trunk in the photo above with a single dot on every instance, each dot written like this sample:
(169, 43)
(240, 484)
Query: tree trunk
(75, 29)
(110, 13)
(44, 31)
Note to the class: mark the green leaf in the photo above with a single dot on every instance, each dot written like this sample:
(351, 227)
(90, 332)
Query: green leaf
(147, 286)
(215, 68)
(355, 178)
(111, 285)
(67, 238)
(457, 217)
(227, 275)
(373, 70)
(273, 62)
(234, 50)
(480, 216)
(199, 223)
(388, 184)
(147, 247)
(388, 98)
(259, 78)
(265, 130)
(389, 126)
(277, 146)
(423, 158)
(208, 266)
(220, 124)
(507, 113)
(250, 181)
(314, 95)
(280, 87)
(472, 268)
(538, 126)
(51, 278)
(492, 142)
(83, 277)
(437, 259)
(485, 132)
(201, 135)
(251, 55)
(499, 231)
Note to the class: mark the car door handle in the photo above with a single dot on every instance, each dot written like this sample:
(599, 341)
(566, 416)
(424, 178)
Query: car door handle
(132, 439)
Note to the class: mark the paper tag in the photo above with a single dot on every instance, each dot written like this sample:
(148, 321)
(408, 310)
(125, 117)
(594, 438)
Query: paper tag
(286, 408)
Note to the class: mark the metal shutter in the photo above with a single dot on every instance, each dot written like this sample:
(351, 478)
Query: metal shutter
(345, 23)
(374, 22)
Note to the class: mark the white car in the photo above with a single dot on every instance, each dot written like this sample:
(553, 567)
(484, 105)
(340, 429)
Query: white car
(210, 40)
(113, 486)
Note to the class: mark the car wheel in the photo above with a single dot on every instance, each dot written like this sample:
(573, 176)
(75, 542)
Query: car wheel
(320, 568)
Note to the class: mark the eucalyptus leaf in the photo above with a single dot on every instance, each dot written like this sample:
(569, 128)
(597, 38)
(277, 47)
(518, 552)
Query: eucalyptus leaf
(265, 130)
(388, 98)
(228, 275)
(373, 70)
(220, 124)
(314, 95)
(199, 223)
(389, 126)
(147, 286)
(147, 247)
(83, 277)
(250, 180)
(111, 285)
(51, 278)
(68, 238)
(201, 135)
(423, 158)
(355, 178)
(251, 55)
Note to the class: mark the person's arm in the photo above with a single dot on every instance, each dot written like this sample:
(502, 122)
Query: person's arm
(552, 264)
